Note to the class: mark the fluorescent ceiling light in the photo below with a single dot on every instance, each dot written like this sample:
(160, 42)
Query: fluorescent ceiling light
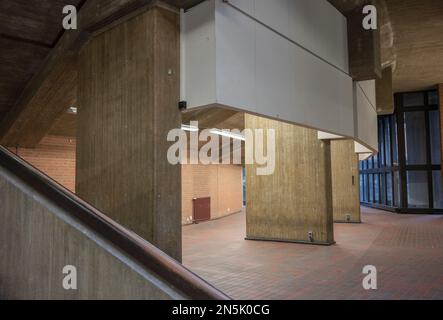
(72, 110)
(187, 127)
(228, 134)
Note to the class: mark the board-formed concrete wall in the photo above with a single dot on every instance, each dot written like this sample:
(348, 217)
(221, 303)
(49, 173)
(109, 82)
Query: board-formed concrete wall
(296, 199)
(129, 89)
(345, 181)
(38, 240)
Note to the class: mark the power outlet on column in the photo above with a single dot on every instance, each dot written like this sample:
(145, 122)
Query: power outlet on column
(348, 218)
(311, 236)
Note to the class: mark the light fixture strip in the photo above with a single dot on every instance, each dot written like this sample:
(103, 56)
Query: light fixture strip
(228, 134)
(187, 127)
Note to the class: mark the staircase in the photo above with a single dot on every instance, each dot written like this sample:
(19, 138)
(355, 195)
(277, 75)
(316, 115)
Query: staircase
(44, 228)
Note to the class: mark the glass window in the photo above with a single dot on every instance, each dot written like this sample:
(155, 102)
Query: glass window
(415, 136)
(382, 188)
(418, 189)
(385, 187)
(377, 188)
(361, 188)
(414, 99)
(382, 144)
(434, 125)
(389, 201)
(433, 98)
(395, 143)
(438, 191)
(365, 188)
(396, 189)
(388, 141)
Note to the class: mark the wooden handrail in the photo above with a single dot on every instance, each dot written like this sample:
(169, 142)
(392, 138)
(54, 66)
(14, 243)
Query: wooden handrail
(150, 257)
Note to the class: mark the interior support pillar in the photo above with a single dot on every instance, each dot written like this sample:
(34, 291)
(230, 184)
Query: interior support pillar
(363, 47)
(128, 101)
(440, 98)
(294, 204)
(345, 182)
(385, 92)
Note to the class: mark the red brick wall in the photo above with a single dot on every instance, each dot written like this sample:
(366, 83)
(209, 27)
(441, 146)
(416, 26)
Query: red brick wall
(54, 156)
(223, 183)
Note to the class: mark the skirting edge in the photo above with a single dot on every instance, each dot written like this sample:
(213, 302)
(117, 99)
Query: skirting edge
(347, 222)
(315, 243)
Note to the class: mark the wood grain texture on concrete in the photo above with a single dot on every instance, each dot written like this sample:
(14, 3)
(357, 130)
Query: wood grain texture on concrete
(38, 240)
(385, 93)
(417, 39)
(65, 126)
(28, 32)
(410, 40)
(440, 97)
(296, 199)
(363, 46)
(34, 43)
(42, 102)
(345, 181)
(128, 101)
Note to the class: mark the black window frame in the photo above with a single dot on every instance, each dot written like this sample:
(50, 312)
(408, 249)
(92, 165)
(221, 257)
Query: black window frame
(393, 127)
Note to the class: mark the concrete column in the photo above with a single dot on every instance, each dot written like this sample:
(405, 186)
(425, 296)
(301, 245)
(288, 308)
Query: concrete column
(385, 92)
(363, 46)
(345, 182)
(440, 98)
(128, 101)
(294, 204)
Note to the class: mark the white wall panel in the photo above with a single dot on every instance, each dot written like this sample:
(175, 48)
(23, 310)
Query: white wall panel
(274, 13)
(366, 126)
(247, 6)
(262, 72)
(199, 54)
(273, 75)
(368, 88)
(252, 68)
(314, 24)
(319, 27)
(235, 58)
(323, 93)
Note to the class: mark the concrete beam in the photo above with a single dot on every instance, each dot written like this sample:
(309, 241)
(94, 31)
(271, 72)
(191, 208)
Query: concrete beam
(364, 48)
(54, 88)
(385, 93)
(363, 45)
(208, 118)
(345, 182)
